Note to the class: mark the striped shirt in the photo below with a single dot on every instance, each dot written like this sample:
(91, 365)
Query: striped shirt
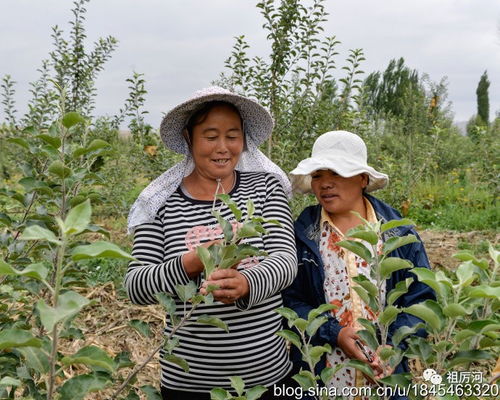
(251, 349)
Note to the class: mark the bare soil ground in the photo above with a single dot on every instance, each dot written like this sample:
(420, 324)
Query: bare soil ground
(106, 323)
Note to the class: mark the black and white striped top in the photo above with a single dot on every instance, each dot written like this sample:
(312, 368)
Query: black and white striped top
(251, 349)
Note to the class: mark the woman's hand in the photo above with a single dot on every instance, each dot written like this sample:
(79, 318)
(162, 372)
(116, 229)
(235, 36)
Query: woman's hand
(347, 342)
(232, 285)
(192, 263)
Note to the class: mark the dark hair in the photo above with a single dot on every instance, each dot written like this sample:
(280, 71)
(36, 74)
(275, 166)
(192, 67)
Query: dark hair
(200, 115)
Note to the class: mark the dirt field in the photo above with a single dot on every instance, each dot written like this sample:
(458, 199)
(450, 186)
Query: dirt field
(105, 324)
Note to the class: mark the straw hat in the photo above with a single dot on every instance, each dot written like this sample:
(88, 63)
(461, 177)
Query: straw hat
(257, 122)
(340, 151)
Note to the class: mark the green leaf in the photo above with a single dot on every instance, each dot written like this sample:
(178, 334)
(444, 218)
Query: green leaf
(400, 289)
(72, 118)
(396, 380)
(219, 394)
(35, 359)
(454, 310)
(317, 352)
(5, 219)
(35, 271)
(366, 284)
(428, 277)
(78, 218)
(369, 338)
(177, 361)
(248, 230)
(151, 392)
(305, 379)
(386, 353)
(77, 387)
(483, 291)
(185, 292)
(320, 310)
(8, 381)
(465, 274)
(167, 301)
(90, 356)
(35, 232)
(256, 392)
(69, 304)
(388, 316)
(368, 236)
(426, 313)
(59, 169)
(396, 242)
(367, 324)
(287, 313)
(207, 261)
(291, 336)
(315, 324)
(97, 144)
(17, 338)
(463, 335)
(122, 360)
(141, 327)
(405, 331)
(395, 223)
(391, 264)
(238, 384)
(232, 205)
(226, 226)
(250, 208)
(465, 357)
(213, 321)
(20, 142)
(301, 324)
(361, 366)
(363, 294)
(99, 249)
(53, 141)
(357, 248)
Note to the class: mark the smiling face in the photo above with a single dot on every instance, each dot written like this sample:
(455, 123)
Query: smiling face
(338, 195)
(217, 142)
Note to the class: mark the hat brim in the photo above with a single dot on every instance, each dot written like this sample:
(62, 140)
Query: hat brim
(258, 123)
(301, 176)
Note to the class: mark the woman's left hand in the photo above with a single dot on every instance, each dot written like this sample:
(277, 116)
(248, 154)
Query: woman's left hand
(232, 285)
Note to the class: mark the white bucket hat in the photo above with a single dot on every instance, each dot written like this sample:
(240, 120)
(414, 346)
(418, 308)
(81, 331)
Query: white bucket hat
(257, 122)
(340, 151)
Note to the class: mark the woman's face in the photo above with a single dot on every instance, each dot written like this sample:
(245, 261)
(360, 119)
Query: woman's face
(336, 194)
(217, 143)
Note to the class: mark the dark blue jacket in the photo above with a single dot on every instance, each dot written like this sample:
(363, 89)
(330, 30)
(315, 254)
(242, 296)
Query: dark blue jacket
(306, 292)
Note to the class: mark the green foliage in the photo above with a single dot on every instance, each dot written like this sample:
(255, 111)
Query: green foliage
(483, 102)
(463, 322)
(9, 106)
(42, 241)
(295, 81)
(231, 250)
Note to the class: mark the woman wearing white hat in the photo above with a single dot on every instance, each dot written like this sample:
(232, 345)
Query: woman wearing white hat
(339, 176)
(219, 132)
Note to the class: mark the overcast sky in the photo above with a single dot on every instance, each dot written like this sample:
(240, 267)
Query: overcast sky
(181, 45)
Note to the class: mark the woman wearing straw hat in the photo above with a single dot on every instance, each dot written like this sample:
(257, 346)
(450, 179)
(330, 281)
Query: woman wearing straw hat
(218, 132)
(339, 176)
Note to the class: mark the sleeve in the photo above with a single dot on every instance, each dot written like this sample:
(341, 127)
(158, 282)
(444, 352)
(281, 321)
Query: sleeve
(298, 297)
(417, 292)
(149, 274)
(278, 270)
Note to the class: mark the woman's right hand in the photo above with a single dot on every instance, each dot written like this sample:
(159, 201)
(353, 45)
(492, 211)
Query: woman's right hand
(192, 263)
(347, 342)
